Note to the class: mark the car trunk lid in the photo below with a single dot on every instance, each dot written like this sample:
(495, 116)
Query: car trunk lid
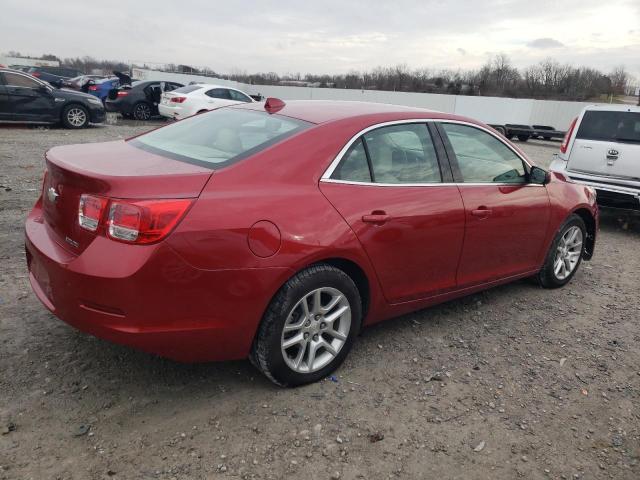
(113, 170)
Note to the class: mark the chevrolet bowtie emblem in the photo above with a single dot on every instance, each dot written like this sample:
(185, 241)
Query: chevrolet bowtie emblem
(52, 195)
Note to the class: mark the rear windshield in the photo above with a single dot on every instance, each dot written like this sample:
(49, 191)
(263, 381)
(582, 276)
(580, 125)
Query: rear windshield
(219, 137)
(610, 126)
(188, 89)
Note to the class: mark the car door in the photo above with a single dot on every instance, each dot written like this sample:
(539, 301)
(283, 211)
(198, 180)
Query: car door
(506, 216)
(30, 101)
(607, 143)
(388, 185)
(218, 97)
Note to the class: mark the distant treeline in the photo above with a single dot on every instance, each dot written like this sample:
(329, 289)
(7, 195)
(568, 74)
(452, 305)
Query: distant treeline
(548, 79)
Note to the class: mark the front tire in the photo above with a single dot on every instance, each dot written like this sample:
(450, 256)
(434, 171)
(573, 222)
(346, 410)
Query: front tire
(309, 327)
(75, 116)
(565, 255)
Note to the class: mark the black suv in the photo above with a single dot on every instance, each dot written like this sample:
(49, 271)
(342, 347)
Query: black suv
(139, 100)
(25, 99)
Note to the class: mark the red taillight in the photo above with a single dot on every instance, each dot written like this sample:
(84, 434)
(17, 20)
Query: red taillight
(93, 88)
(565, 141)
(90, 211)
(130, 221)
(178, 99)
(123, 93)
(36, 74)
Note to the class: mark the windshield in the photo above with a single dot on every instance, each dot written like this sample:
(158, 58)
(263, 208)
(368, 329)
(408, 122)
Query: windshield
(219, 137)
(610, 126)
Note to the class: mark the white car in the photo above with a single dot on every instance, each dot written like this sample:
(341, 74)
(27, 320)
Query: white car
(197, 98)
(602, 149)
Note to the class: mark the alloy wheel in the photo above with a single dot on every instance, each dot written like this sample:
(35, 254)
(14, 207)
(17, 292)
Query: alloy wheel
(76, 117)
(143, 112)
(568, 253)
(316, 329)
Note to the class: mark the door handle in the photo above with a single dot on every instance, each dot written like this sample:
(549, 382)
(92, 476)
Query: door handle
(482, 212)
(376, 217)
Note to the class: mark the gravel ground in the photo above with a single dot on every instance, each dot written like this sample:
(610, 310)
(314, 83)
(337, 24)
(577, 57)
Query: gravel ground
(515, 382)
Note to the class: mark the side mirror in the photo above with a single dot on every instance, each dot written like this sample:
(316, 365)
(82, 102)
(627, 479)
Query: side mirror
(539, 176)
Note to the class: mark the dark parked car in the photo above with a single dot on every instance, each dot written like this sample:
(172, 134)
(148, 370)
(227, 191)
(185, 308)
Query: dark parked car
(54, 74)
(26, 99)
(139, 100)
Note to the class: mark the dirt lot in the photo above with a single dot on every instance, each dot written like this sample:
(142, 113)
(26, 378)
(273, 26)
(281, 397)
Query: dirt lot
(516, 382)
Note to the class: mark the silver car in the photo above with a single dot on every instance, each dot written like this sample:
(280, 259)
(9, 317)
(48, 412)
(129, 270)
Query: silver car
(602, 149)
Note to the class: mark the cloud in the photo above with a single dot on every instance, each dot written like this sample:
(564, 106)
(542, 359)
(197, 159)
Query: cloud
(545, 42)
(461, 51)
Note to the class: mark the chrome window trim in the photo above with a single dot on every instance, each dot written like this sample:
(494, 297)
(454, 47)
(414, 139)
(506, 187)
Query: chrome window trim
(326, 176)
(432, 184)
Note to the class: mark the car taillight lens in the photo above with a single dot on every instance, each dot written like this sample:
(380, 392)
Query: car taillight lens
(144, 221)
(123, 93)
(178, 99)
(36, 74)
(131, 221)
(93, 88)
(90, 211)
(565, 141)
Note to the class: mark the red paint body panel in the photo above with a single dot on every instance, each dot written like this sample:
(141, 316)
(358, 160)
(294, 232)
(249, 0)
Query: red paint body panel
(200, 293)
(416, 252)
(510, 238)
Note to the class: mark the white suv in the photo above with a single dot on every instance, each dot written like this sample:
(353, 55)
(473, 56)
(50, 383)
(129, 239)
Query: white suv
(602, 149)
(202, 97)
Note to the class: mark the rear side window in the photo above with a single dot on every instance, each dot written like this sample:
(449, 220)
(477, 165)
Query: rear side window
(610, 126)
(188, 89)
(220, 137)
(353, 167)
(397, 154)
(218, 93)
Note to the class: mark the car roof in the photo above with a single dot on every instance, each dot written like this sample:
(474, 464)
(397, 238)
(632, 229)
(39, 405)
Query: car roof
(620, 107)
(322, 111)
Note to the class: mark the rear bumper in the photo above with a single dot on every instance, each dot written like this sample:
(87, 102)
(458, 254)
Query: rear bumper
(610, 194)
(148, 297)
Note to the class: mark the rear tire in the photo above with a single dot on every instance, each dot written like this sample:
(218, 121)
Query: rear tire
(142, 111)
(565, 254)
(75, 116)
(309, 327)
(523, 138)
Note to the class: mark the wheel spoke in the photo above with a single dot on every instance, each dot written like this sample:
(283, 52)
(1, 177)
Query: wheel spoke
(336, 314)
(295, 340)
(300, 354)
(313, 350)
(329, 348)
(336, 334)
(332, 304)
(317, 301)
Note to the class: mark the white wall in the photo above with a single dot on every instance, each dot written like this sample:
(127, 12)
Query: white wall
(495, 110)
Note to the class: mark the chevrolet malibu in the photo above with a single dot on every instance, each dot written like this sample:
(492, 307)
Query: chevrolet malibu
(277, 231)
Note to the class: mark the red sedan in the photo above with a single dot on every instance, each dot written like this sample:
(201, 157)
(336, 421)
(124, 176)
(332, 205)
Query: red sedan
(278, 231)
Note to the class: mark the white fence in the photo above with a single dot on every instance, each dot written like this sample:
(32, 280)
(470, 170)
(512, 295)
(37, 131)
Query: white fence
(495, 110)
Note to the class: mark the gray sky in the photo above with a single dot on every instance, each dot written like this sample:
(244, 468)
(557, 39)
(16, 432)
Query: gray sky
(328, 36)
